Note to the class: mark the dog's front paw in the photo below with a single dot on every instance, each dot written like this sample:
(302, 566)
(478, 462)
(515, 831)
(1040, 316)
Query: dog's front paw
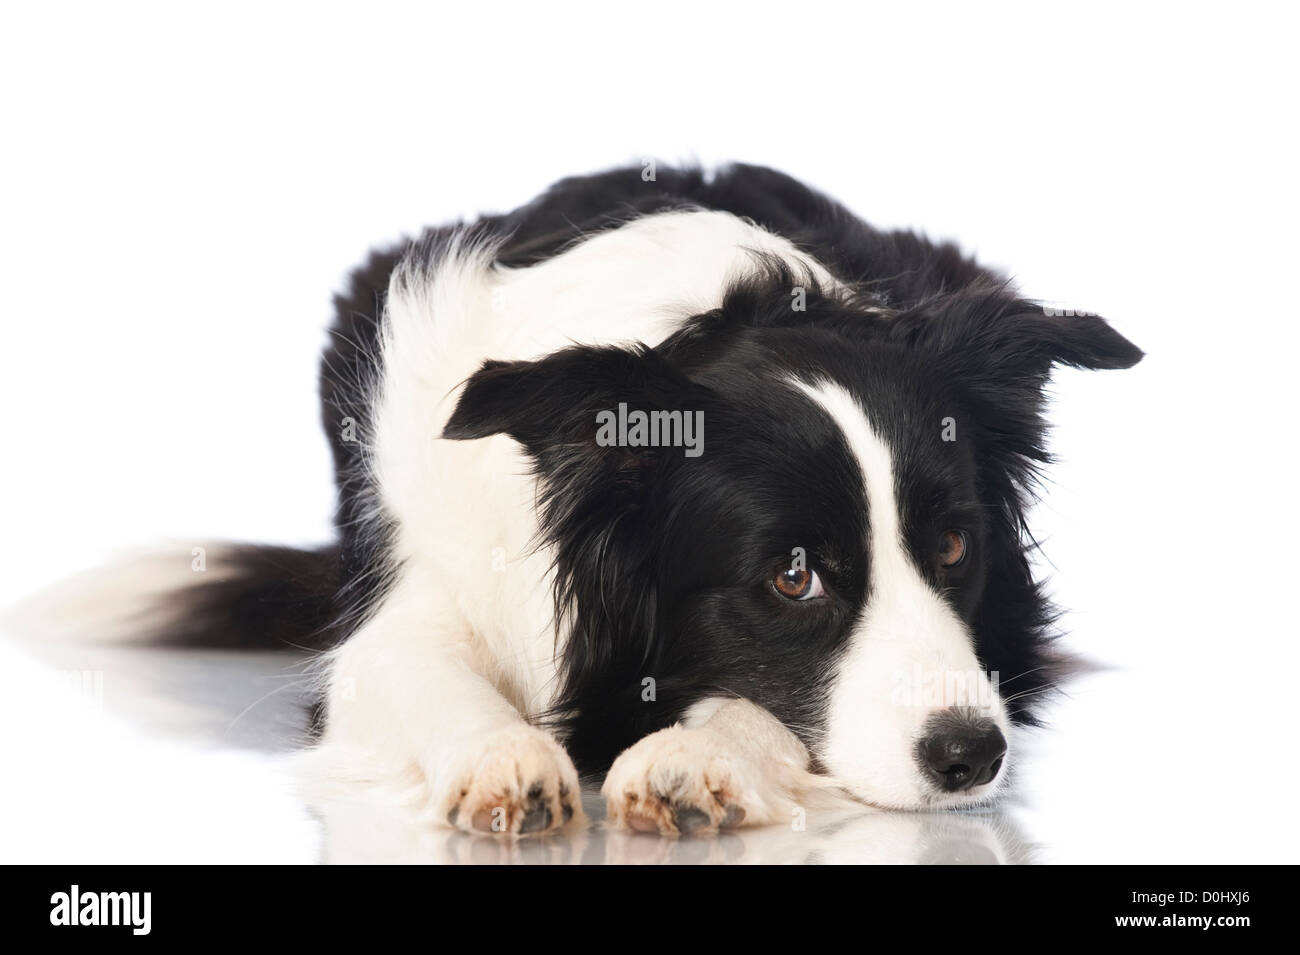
(518, 781)
(681, 780)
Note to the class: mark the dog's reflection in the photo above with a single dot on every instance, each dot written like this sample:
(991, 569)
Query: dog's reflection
(361, 827)
(223, 698)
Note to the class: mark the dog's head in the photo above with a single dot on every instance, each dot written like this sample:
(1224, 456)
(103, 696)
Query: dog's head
(825, 517)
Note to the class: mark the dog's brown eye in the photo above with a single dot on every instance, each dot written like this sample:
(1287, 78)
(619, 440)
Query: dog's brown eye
(797, 583)
(952, 549)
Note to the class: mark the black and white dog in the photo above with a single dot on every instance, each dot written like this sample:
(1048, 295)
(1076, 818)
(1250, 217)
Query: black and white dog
(695, 479)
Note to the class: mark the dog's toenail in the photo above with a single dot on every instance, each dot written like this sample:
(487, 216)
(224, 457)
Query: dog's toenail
(734, 816)
(536, 819)
(689, 819)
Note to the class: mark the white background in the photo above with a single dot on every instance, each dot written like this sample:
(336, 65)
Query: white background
(181, 192)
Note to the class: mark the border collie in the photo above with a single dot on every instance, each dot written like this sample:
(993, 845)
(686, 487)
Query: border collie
(697, 481)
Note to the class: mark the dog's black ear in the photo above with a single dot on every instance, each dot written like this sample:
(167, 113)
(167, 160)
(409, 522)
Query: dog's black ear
(993, 333)
(492, 398)
(997, 351)
(552, 404)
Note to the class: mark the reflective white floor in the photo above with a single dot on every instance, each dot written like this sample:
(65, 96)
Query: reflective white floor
(136, 755)
(128, 718)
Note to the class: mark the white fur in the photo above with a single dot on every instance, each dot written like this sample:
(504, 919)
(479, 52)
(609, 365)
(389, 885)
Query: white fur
(875, 711)
(464, 646)
(119, 602)
(729, 760)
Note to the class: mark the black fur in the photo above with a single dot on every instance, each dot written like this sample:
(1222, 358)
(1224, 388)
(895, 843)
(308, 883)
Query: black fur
(666, 559)
(663, 561)
(254, 596)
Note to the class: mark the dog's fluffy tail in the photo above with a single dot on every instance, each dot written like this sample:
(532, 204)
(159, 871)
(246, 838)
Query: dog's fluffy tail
(223, 595)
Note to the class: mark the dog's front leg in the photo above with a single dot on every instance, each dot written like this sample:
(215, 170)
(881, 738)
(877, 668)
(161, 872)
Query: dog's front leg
(407, 692)
(729, 763)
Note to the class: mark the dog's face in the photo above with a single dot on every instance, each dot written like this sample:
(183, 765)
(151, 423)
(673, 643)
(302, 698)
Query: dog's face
(843, 547)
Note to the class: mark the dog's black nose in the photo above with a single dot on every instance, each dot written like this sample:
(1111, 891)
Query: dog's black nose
(960, 751)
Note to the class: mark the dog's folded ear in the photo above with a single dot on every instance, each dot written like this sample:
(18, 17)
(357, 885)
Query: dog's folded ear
(992, 332)
(551, 405)
(998, 350)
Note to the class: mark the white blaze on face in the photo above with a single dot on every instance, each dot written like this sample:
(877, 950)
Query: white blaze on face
(909, 655)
